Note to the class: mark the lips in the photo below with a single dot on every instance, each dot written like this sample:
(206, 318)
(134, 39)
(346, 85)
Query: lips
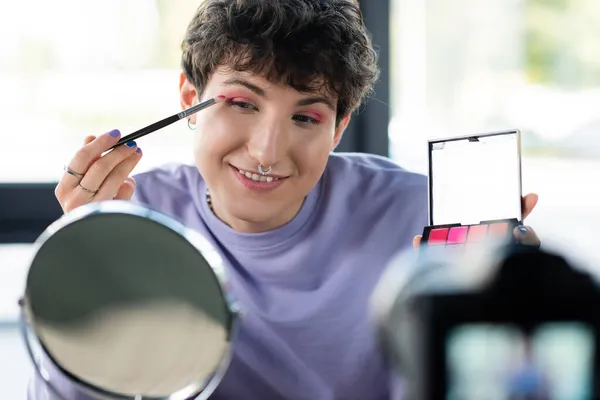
(257, 182)
(258, 177)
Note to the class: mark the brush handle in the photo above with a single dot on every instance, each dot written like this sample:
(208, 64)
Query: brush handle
(149, 129)
(164, 122)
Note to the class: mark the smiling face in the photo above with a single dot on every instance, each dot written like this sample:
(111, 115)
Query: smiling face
(290, 132)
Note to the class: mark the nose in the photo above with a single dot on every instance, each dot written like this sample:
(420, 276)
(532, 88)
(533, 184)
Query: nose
(267, 145)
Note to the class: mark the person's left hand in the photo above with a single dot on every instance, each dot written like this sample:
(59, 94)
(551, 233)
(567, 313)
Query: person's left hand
(524, 234)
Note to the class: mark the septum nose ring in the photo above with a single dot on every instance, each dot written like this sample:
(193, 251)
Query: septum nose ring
(262, 171)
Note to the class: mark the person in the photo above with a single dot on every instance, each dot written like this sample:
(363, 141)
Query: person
(305, 232)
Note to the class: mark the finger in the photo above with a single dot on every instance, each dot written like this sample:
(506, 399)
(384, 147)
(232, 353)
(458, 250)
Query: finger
(73, 173)
(417, 241)
(88, 140)
(526, 235)
(70, 177)
(130, 180)
(99, 171)
(529, 203)
(126, 190)
(86, 156)
(112, 184)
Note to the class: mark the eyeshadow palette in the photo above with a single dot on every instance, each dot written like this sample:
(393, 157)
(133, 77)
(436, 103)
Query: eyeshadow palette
(474, 188)
(456, 234)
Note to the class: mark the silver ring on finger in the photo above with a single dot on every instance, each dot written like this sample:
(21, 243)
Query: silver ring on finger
(73, 173)
(90, 191)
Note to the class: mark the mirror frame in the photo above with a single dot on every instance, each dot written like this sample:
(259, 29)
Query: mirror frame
(201, 390)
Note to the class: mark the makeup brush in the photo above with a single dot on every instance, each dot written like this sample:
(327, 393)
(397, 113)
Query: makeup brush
(168, 121)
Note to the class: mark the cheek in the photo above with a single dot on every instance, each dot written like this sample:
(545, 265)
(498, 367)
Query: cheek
(311, 155)
(216, 136)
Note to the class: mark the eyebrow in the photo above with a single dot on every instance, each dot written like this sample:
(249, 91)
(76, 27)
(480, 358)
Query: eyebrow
(246, 84)
(313, 100)
(261, 92)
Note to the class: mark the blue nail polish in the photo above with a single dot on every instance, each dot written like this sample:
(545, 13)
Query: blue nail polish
(523, 230)
(115, 133)
(131, 144)
(139, 151)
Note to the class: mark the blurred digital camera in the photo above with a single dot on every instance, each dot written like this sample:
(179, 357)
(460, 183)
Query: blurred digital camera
(498, 322)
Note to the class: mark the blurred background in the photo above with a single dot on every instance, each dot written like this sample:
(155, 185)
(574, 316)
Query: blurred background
(465, 66)
(70, 68)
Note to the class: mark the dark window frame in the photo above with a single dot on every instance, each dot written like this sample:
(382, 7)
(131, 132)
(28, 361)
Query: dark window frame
(368, 128)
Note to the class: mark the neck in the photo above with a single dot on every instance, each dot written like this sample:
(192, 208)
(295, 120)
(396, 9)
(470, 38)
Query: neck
(254, 226)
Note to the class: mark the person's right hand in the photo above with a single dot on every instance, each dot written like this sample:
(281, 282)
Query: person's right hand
(92, 177)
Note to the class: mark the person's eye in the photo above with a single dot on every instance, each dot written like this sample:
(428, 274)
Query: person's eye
(305, 119)
(242, 105)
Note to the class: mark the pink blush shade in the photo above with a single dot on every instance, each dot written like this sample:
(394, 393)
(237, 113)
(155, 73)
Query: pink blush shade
(457, 234)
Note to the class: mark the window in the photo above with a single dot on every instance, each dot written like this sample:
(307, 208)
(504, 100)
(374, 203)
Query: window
(71, 69)
(470, 66)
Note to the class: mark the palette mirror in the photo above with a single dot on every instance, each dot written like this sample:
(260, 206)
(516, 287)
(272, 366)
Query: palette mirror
(126, 303)
(474, 187)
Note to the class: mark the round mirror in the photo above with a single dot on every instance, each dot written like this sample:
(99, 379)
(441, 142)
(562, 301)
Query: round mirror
(128, 304)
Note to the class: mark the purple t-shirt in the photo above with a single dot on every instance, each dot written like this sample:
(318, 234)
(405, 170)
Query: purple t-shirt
(304, 287)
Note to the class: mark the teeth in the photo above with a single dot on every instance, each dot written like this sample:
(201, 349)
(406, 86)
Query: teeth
(256, 177)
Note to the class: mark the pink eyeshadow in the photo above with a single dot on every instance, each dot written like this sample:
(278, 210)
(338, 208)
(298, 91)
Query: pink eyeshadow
(458, 234)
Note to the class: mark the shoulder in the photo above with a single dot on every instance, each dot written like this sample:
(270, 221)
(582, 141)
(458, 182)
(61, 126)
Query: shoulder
(166, 186)
(374, 202)
(372, 174)
(378, 191)
(174, 175)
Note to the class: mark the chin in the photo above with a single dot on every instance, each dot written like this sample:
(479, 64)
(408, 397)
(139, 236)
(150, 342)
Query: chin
(249, 211)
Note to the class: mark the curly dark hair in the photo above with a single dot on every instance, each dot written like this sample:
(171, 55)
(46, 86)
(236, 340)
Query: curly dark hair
(307, 44)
